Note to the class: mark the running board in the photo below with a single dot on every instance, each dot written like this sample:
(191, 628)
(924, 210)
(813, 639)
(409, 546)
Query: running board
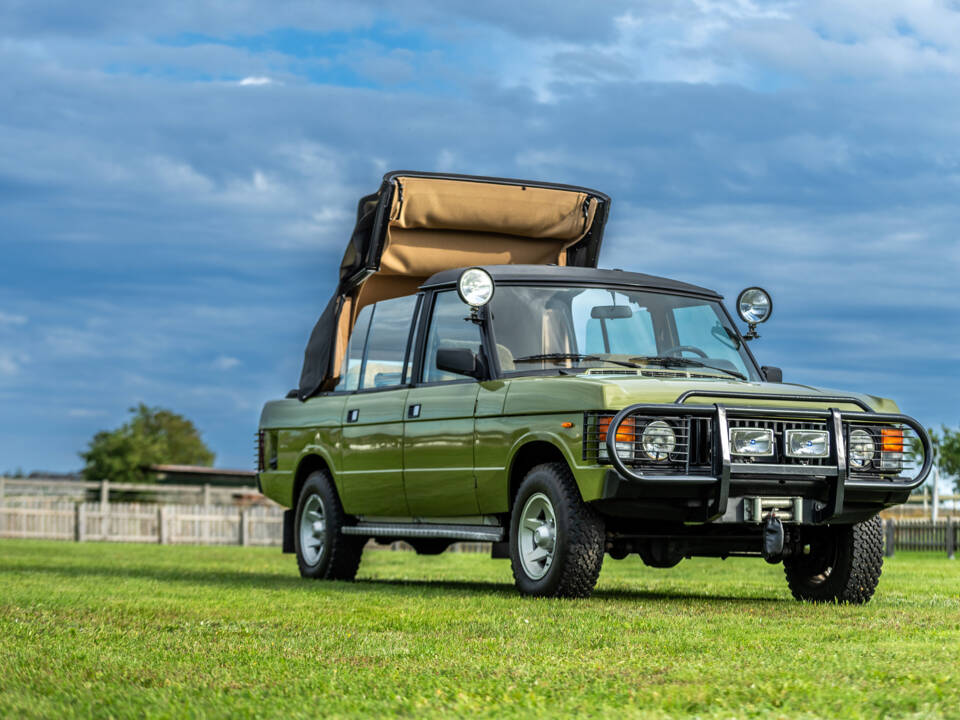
(422, 530)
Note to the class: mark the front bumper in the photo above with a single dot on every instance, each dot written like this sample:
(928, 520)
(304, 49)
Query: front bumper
(831, 491)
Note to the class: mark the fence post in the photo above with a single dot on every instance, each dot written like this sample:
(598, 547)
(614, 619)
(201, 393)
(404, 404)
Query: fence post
(244, 530)
(951, 538)
(3, 515)
(160, 531)
(890, 530)
(205, 526)
(80, 521)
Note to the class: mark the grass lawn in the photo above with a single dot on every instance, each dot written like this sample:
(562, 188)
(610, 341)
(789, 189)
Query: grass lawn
(137, 630)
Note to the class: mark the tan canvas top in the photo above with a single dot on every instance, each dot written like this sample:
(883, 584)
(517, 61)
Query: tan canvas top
(438, 224)
(441, 224)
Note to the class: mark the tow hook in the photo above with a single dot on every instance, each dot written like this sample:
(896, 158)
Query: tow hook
(772, 538)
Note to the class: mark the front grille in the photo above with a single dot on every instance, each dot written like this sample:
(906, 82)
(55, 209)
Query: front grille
(694, 451)
(691, 453)
(779, 428)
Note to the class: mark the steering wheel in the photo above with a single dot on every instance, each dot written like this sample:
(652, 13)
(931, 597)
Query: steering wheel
(677, 349)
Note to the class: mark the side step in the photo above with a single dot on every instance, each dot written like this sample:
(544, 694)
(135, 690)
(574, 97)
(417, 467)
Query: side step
(479, 533)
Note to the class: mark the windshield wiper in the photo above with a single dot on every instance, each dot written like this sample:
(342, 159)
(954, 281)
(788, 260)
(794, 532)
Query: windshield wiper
(686, 362)
(575, 356)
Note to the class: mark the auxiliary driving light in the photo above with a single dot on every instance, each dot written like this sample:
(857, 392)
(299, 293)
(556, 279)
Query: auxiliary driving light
(862, 449)
(807, 443)
(757, 442)
(754, 305)
(475, 287)
(658, 440)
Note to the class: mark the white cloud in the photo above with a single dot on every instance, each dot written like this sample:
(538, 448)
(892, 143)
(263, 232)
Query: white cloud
(12, 363)
(225, 362)
(85, 413)
(12, 319)
(256, 80)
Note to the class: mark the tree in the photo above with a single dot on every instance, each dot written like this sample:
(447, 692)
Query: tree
(949, 454)
(152, 436)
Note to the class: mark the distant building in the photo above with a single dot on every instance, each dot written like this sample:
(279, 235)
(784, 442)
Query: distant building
(199, 475)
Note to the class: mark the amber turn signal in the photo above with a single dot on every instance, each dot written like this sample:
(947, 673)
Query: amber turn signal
(891, 439)
(625, 433)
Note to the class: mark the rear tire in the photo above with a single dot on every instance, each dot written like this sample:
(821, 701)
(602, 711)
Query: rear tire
(556, 539)
(843, 566)
(322, 552)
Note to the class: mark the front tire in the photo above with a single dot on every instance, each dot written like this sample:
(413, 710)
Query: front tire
(556, 539)
(322, 552)
(843, 566)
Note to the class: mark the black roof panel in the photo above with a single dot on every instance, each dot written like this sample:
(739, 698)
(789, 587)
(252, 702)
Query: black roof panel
(573, 276)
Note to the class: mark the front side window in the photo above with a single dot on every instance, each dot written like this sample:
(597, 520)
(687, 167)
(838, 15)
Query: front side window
(387, 343)
(450, 327)
(538, 327)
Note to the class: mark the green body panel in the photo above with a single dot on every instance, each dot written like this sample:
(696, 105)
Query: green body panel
(458, 454)
(370, 474)
(438, 450)
(303, 429)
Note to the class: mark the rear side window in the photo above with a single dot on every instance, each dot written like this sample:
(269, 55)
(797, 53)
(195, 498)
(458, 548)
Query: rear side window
(387, 343)
(350, 373)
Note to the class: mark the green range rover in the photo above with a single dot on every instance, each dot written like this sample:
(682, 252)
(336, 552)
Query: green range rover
(475, 378)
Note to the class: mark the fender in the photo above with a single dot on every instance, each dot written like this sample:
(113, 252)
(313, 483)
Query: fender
(309, 451)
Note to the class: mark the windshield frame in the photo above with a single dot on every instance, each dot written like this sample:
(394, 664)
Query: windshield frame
(497, 372)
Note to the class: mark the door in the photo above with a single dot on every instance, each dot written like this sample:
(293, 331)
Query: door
(438, 435)
(371, 476)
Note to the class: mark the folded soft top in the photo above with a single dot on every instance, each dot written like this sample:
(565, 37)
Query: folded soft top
(418, 224)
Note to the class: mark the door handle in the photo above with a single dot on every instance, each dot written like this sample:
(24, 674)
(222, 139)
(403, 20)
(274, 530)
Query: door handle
(353, 415)
(413, 411)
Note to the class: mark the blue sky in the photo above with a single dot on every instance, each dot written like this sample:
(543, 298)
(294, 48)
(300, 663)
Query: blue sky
(177, 181)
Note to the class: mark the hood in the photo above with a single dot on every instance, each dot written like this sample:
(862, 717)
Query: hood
(620, 391)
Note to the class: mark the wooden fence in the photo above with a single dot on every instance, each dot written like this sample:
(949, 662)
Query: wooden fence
(166, 524)
(913, 534)
(141, 522)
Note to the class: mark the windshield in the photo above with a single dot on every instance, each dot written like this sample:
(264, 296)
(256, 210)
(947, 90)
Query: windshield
(549, 327)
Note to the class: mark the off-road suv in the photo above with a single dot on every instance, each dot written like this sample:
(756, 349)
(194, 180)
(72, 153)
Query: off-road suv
(474, 377)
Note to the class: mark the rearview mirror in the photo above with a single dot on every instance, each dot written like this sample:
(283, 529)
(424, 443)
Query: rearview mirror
(459, 361)
(611, 312)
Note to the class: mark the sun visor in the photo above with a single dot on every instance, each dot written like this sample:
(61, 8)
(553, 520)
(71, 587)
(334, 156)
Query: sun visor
(419, 224)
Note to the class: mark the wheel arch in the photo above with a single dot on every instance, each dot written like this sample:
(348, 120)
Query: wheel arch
(530, 451)
(310, 461)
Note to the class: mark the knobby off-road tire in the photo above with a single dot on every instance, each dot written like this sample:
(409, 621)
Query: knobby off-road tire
(844, 565)
(548, 502)
(322, 552)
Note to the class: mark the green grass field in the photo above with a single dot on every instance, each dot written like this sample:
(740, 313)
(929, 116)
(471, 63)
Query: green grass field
(135, 630)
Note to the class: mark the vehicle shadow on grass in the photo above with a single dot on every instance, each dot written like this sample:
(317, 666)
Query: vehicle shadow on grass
(271, 581)
(508, 590)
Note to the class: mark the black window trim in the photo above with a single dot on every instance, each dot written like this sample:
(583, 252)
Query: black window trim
(421, 349)
(414, 322)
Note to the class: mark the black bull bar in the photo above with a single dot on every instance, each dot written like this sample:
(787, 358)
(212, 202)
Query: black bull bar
(836, 471)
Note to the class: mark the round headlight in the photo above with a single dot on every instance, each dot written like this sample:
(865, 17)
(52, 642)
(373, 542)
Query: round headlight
(475, 287)
(862, 448)
(754, 305)
(658, 440)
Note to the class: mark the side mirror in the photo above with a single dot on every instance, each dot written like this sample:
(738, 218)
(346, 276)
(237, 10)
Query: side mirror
(459, 361)
(772, 374)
